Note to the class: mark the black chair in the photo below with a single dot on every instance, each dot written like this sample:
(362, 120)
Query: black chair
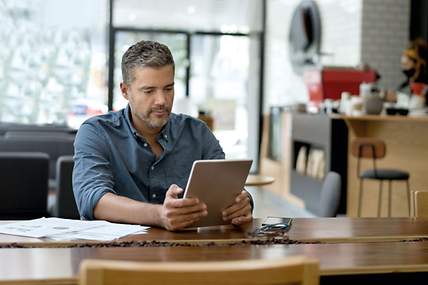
(65, 204)
(330, 195)
(374, 149)
(54, 146)
(24, 185)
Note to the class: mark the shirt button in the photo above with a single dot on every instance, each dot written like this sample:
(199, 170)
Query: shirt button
(153, 168)
(165, 136)
(145, 144)
(154, 195)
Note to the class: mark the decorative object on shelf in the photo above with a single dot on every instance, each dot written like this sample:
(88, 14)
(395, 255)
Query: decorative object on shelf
(316, 164)
(373, 104)
(301, 160)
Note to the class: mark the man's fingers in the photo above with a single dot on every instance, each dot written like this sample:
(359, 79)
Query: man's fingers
(186, 220)
(237, 206)
(183, 225)
(242, 196)
(240, 212)
(242, 219)
(186, 210)
(173, 191)
(180, 203)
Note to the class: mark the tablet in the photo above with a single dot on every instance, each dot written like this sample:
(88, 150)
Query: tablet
(216, 183)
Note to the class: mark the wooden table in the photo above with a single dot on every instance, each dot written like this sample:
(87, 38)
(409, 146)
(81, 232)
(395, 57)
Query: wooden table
(259, 180)
(356, 248)
(327, 230)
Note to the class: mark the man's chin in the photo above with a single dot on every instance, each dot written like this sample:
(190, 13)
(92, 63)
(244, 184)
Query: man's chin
(158, 123)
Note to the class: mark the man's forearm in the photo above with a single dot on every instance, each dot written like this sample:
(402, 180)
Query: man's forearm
(121, 209)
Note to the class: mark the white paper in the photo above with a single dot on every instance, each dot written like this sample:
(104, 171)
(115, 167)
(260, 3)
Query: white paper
(66, 229)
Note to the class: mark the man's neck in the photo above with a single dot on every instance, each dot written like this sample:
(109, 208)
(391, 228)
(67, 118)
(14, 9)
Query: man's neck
(150, 134)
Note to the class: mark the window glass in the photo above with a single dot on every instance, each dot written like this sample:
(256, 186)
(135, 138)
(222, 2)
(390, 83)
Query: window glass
(219, 87)
(53, 55)
(208, 15)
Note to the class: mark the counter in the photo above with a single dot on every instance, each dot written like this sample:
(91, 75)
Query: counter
(406, 139)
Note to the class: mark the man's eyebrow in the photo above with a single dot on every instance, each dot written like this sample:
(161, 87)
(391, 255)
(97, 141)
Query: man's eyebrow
(169, 85)
(147, 87)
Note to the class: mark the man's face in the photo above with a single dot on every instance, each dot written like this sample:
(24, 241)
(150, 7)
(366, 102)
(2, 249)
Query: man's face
(150, 95)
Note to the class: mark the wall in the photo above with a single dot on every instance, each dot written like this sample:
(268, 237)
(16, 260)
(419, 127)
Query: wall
(385, 34)
(353, 31)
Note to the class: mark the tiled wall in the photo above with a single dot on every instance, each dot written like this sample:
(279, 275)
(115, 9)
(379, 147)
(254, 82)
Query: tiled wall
(385, 33)
(353, 31)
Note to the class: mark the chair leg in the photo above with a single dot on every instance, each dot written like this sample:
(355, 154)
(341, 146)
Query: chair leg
(379, 202)
(360, 198)
(408, 196)
(389, 198)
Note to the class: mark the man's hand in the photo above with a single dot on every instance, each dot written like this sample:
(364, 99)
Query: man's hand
(240, 212)
(179, 213)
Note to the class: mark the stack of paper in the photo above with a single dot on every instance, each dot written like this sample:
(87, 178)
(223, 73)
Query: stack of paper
(65, 229)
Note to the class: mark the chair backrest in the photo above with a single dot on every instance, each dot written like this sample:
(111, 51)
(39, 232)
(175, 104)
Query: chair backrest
(330, 195)
(421, 204)
(53, 146)
(65, 204)
(24, 185)
(292, 270)
(18, 127)
(368, 148)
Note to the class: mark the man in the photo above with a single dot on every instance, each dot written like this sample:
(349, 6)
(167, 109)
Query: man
(131, 166)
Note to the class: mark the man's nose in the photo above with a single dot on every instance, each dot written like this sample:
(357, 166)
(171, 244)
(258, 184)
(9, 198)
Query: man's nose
(160, 98)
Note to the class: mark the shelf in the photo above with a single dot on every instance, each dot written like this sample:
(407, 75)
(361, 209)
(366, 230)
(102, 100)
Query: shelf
(324, 133)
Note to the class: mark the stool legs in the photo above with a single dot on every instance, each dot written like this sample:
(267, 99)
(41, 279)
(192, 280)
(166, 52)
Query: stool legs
(389, 198)
(360, 198)
(379, 207)
(408, 195)
(379, 202)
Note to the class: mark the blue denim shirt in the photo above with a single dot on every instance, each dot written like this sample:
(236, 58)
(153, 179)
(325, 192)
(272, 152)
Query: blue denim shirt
(110, 156)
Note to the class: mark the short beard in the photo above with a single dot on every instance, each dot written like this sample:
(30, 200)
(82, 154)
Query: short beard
(156, 123)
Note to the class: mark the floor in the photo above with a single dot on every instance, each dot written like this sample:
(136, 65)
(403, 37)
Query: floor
(267, 203)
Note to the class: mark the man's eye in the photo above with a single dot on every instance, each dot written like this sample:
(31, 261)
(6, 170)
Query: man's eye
(148, 91)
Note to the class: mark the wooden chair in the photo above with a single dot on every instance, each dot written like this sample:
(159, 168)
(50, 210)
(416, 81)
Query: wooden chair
(421, 204)
(292, 270)
(374, 149)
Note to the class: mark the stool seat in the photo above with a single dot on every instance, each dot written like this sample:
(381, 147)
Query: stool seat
(385, 174)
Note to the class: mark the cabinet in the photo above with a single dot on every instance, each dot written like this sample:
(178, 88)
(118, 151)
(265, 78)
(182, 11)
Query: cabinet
(327, 136)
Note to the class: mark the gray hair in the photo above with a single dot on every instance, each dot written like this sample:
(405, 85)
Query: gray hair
(145, 53)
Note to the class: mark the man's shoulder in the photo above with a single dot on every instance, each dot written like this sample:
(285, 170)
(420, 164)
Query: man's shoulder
(113, 118)
(185, 120)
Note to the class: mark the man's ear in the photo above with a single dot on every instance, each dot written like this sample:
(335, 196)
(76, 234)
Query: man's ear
(124, 89)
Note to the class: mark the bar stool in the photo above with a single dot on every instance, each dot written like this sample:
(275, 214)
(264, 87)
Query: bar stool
(375, 149)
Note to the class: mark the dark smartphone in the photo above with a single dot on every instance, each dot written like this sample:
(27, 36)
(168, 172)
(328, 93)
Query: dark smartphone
(277, 222)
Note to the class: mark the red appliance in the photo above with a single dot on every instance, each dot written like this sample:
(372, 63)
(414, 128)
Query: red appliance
(330, 82)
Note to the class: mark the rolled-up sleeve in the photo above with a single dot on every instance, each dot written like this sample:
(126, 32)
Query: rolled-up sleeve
(92, 173)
